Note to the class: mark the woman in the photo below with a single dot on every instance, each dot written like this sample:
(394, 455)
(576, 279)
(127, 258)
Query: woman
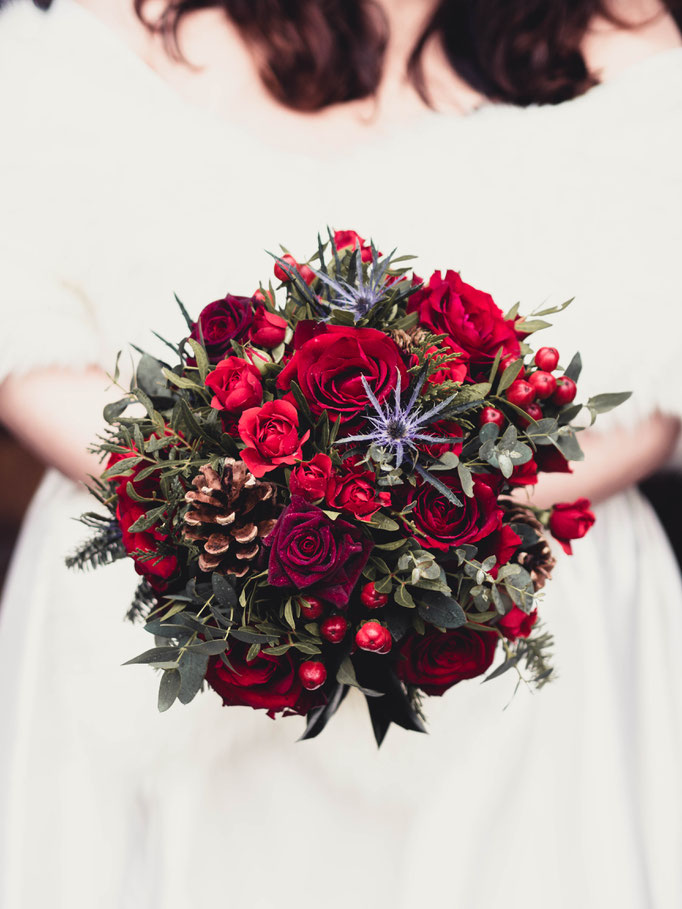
(130, 175)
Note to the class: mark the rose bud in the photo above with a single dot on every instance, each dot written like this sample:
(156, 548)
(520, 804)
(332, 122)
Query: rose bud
(492, 415)
(517, 624)
(371, 598)
(521, 393)
(306, 273)
(373, 637)
(334, 629)
(570, 521)
(547, 358)
(310, 479)
(267, 329)
(258, 296)
(565, 391)
(312, 674)
(311, 608)
(543, 382)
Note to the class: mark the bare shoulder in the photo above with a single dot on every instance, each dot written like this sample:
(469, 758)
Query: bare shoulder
(610, 48)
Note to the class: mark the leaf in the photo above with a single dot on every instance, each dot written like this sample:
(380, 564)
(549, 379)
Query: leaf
(182, 381)
(223, 591)
(543, 432)
(504, 667)
(441, 610)
(509, 375)
(528, 326)
(253, 637)
(155, 655)
(185, 314)
(383, 522)
(201, 357)
(148, 519)
(445, 491)
(568, 445)
(403, 597)
(169, 689)
(318, 718)
(574, 368)
(150, 378)
(605, 402)
(192, 669)
(211, 648)
(120, 468)
(115, 409)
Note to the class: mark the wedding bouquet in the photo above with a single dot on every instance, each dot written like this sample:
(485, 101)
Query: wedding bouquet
(323, 490)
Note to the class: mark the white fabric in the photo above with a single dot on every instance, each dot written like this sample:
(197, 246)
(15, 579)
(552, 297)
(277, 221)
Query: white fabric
(114, 194)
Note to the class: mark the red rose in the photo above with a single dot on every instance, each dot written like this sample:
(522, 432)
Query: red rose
(469, 316)
(311, 478)
(270, 433)
(517, 623)
(525, 474)
(220, 322)
(570, 521)
(346, 238)
(438, 660)
(550, 460)
(127, 512)
(329, 361)
(442, 525)
(354, 489)
(235, 385)
(264, 683)
(267, 329)
(441, 429)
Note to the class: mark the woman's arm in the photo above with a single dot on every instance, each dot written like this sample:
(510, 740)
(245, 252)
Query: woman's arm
(612, 462)
(57, 413)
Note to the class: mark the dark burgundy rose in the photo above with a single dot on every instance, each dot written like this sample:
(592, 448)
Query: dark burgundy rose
(310, 479)
(265, 683)
(570, 521)
(309, 551)
(438, 660)
(550, 460)
(517, 623)
(469, 317)
(221, 322)
(328, 364)
(354, 489)
(442, 525)
(268, 329)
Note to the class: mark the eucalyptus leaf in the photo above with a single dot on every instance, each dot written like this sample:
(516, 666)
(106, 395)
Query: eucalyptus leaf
(169, 689)
(441, 610)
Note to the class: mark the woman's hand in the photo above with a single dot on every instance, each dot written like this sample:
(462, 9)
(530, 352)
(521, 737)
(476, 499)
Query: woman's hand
(57, 413)
(613, 461)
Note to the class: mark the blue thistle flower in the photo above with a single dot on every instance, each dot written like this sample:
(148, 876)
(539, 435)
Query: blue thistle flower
(358, 294)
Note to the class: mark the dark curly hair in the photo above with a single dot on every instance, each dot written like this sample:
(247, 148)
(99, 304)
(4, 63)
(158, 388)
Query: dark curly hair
(313, 53)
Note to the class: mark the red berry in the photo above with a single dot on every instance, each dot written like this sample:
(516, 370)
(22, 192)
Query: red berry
(534, 411)
(374, 637)
(371, 598)
(543, 382)
(312, 674)
(306, 273)
(311, 608)
(565, 391)
(521, 393)
(507, 361)
(547, 358)
(492, 415)
(334, 629)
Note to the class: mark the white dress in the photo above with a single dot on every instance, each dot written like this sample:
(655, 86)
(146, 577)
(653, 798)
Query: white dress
(114, 193)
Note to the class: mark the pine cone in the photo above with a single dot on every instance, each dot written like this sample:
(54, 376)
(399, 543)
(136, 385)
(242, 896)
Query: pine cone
(231, 515)
(538, 559)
